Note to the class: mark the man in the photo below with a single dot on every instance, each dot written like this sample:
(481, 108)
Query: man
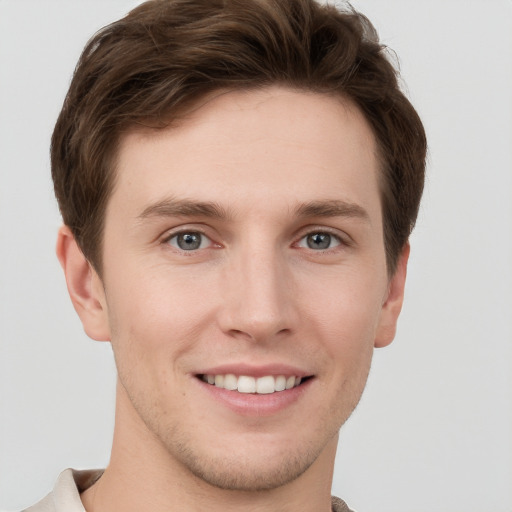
(238, 181)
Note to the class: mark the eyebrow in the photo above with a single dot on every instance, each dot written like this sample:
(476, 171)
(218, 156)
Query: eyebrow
(171, 207)
(184, 208)
(332, 208)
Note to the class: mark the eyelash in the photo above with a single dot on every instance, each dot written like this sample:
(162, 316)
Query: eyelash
(340, 241)
(176, 236)
(331, 237)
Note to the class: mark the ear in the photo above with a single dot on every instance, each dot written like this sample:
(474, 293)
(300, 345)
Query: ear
(392, 306)
(85, 287)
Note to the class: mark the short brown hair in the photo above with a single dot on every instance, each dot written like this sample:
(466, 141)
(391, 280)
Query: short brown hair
(167, 54)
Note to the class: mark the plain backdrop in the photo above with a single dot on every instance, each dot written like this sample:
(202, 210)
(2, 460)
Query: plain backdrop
(433, 431)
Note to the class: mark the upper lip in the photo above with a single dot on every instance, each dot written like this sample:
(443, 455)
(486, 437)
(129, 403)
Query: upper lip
(238, 369)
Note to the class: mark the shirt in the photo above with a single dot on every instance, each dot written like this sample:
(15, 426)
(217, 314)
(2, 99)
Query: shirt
(65, 496)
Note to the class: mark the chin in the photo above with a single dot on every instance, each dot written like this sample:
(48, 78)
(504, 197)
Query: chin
(246, 472)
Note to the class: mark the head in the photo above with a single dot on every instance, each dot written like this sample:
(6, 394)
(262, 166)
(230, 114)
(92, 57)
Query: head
(240, 179)
(163, 58)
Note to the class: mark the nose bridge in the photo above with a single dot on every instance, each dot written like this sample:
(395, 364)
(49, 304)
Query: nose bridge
(259, 303)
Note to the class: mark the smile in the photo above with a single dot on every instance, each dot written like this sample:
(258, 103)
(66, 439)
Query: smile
(246, 384)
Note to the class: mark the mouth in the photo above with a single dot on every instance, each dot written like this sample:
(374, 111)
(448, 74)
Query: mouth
(248, 384)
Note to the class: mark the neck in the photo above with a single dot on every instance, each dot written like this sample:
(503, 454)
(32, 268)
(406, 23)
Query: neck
(143, 476)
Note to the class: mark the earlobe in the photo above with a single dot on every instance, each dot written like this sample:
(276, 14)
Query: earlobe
(84, 286)
(393, 303)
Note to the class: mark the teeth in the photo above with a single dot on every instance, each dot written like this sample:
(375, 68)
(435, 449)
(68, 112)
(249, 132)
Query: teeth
(266, 385)
(247, 384)
(281, 383)
(230, 382)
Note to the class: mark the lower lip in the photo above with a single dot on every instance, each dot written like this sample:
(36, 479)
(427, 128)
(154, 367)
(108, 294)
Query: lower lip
(253, 404)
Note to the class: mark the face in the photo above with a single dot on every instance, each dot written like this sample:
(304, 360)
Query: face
(244, 283)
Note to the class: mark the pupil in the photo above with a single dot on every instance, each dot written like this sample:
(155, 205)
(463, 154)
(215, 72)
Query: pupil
(319, 241)
(189, 241)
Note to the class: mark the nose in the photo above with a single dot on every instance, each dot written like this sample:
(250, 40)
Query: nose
(258, 299)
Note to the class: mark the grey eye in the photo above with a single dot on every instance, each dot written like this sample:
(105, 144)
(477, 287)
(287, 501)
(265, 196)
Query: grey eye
(319, 241)
(189, 241)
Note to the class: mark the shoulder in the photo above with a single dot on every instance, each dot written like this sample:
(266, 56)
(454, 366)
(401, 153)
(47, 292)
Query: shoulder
(65, 496)
(339, 505)
(45, 505)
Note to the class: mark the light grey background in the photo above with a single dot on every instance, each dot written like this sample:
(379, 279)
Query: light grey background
(434, 429)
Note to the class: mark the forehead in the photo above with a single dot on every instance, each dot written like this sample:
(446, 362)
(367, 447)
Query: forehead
(244, 147)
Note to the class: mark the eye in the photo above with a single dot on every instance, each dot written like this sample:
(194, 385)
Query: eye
(319, 241)
(189, 241)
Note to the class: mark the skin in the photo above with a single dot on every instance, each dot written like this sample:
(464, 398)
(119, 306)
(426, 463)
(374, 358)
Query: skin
(279, 166)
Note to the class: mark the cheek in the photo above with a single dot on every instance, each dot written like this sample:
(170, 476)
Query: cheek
(345, 307)
(154, 317)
